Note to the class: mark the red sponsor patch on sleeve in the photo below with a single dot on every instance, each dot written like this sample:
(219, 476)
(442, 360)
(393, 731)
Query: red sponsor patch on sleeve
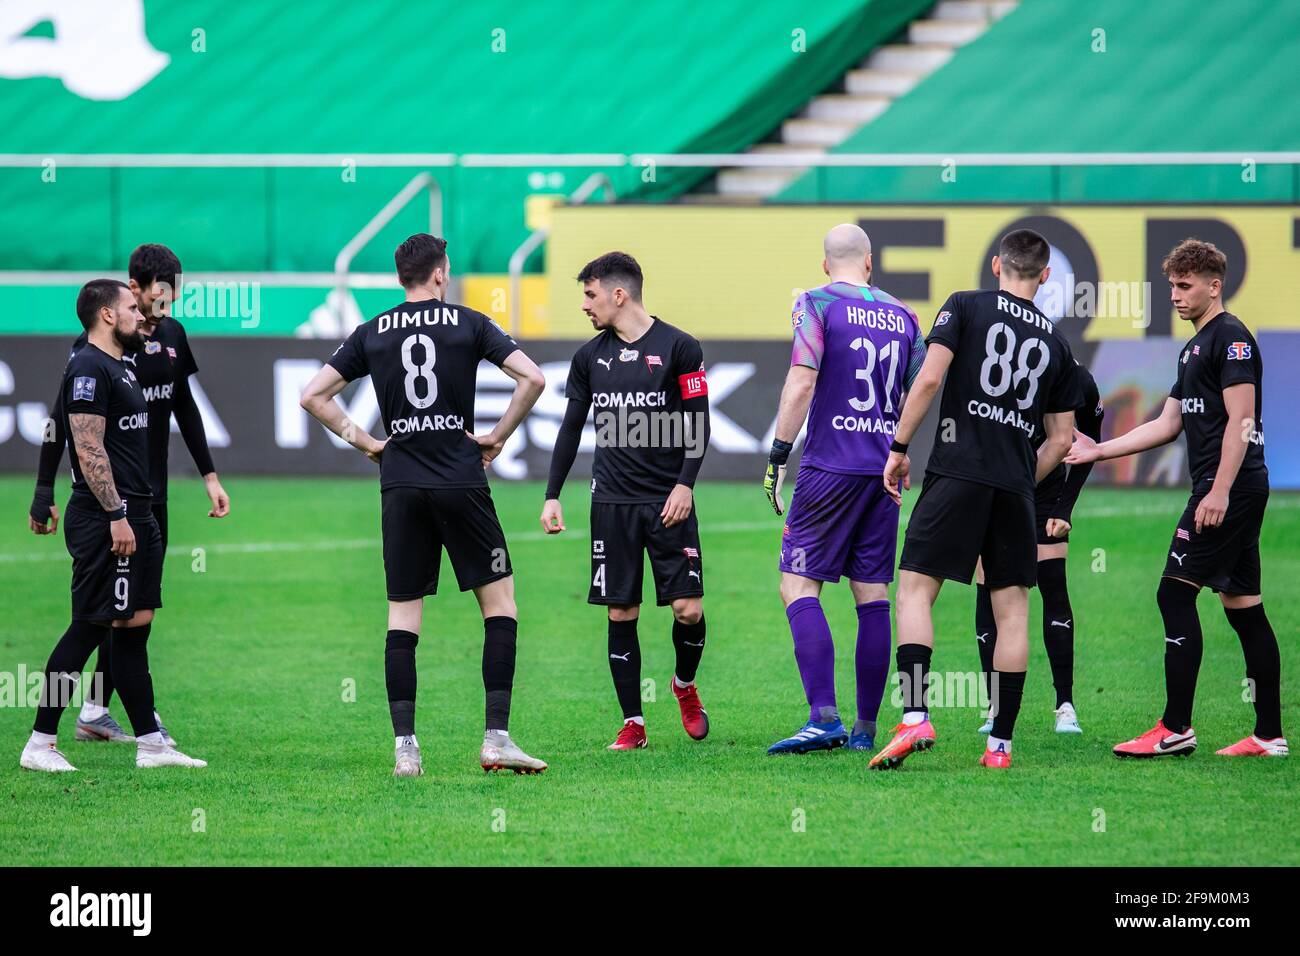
(693, 384)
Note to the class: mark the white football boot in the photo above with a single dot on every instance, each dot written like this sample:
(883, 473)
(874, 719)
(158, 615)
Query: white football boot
(408, 759)
(501, 753)
(159, 754)
(44, 757)
(1067, 721)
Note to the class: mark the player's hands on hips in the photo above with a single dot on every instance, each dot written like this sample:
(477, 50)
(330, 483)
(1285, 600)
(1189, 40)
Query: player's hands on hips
(217, 495)
(376, 451)
(552, 516)
(897, 476)
(488, 445)
(773, 479)
(1210, 512)
(1057, 527)
(678, 506)
(123, 537)
(1083, 451)
(44, 515)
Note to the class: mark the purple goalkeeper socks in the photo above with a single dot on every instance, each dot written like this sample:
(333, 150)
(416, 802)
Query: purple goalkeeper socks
(871, 660)
(815, 653)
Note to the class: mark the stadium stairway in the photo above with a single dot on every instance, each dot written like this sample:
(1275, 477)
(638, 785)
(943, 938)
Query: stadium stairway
(863, 94)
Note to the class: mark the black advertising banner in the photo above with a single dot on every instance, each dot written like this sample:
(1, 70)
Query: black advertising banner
(248, 389)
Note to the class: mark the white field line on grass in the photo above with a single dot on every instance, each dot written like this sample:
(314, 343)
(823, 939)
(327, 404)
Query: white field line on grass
(709, 529)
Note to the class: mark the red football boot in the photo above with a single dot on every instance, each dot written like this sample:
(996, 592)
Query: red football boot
(908, 739)
(998, 759)
(1159, 741)
(1253, 746)
(631, 737)
(694, 717)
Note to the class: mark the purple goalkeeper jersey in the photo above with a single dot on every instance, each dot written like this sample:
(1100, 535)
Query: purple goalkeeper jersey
(867, 347)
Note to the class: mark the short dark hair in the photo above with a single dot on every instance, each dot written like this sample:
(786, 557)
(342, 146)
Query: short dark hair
(152, 263)
(417, 257)
(1195, 257)
(1025, 252)
(614, 269)
(95, 295)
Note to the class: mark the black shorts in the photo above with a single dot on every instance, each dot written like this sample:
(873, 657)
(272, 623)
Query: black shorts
(160, 515)
(1046, 496)
(106, 587)
(419, 522)
(957, 522)
(621, 533)
(1225, 558)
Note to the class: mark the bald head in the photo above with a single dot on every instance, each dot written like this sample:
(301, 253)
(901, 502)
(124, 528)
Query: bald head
(847, 243)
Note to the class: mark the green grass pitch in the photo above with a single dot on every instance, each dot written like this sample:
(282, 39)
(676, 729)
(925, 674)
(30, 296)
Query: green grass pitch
(252, 657)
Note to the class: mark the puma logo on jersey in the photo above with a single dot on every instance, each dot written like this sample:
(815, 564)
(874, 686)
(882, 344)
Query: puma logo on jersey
(981, 637)
(689, 644)
(620, 657)
(1065, 623)
(694, 574)
(1177, 557)
(1175, 640)
(608, 363)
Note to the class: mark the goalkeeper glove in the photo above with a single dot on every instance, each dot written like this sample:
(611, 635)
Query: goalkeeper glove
(774, 476)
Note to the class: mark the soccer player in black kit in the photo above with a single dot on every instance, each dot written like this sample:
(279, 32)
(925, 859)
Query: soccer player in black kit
(162, 365)
(1054, 501)
(1010, 376)
(110, 531)
(646, 381)
(422, 357)
(1216, 400)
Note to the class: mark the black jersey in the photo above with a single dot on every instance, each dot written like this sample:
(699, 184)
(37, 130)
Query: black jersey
(95, 383)
(165, 361)
(1087, 416)
(1010, 367)
(638, 390)
(422, 358)
(1223, 353)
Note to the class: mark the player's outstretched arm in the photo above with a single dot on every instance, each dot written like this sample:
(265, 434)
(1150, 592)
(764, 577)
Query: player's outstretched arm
(1152, 434)
(529, 383)
(88, 439)
(566, 450)
(318, 401)
(43, 516)
(920, 397)
(1058, 428)
(190, 422)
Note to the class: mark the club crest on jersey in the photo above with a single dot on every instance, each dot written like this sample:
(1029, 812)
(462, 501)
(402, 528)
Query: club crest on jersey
(652, 360)
(152, 348)
(1182, 535)
(691, 552)
(941, 319)
(1239, 350)
(628, 355)
(171, 352)
(83, 389)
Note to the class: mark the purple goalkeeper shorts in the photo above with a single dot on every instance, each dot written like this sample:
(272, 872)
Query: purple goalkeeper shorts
(840, 525)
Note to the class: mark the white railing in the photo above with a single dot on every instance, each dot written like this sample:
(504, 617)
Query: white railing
(519, 258)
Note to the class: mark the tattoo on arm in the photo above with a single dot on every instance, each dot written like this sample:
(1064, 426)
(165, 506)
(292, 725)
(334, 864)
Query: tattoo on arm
(88, 439)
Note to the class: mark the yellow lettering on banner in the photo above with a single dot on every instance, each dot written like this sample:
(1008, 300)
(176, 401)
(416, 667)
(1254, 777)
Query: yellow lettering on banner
(727, 273)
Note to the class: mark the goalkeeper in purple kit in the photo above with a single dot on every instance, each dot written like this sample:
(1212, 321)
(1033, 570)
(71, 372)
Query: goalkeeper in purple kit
(856, 351)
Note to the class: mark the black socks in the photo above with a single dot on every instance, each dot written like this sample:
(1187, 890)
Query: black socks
(688, 641)
(1263, 667)
(63, 671)
(131, 675)
(399, 674)
(1008, 689)
(1058, 627)
(625, 666)
(1183, 645)
(913, 671)
(499, 638)
(986, 634)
